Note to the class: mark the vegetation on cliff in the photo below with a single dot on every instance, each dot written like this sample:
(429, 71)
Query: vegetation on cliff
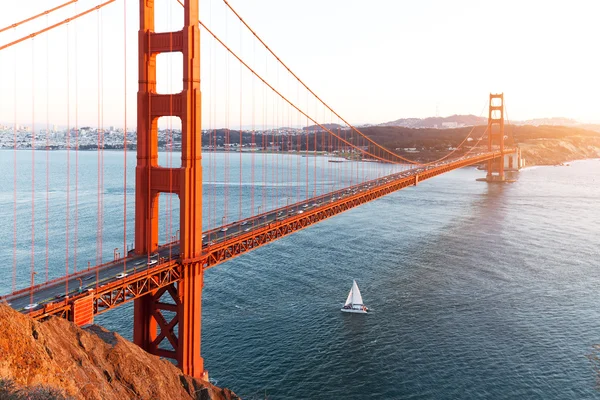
(540, 145)
(56, 359)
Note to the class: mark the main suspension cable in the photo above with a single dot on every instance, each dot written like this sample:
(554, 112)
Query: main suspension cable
(313, 93)
(38, 15)
(66, 21)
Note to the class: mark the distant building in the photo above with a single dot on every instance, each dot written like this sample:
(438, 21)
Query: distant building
(449, 125)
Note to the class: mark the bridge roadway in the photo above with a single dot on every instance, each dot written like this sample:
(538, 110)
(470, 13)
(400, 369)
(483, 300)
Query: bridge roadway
(220, 244)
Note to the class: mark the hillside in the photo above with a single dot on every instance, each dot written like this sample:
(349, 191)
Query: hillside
(56, 360)
(437, 122)
(540, 145)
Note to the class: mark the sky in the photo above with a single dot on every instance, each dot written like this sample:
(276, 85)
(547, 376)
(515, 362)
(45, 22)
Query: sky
(371, 61)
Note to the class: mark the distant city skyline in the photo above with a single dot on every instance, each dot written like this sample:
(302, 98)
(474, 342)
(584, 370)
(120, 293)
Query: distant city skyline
(372, 62)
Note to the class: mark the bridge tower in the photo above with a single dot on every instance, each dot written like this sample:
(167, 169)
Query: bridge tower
(183, 331)
(495, 129)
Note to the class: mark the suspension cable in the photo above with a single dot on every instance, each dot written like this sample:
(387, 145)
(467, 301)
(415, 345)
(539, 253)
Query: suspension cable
(38, 15)
(287, 100)
(313, 93)
(292, 104)
(32, 35)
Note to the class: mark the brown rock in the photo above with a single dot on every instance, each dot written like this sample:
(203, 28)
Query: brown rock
(89, 363)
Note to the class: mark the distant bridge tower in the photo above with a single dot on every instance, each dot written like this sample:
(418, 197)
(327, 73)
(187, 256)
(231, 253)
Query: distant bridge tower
(495, 129)
(183, 331)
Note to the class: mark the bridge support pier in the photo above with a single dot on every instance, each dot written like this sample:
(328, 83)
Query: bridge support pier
(167, 322)
(513, 161)
(82, 310)
(173, 312)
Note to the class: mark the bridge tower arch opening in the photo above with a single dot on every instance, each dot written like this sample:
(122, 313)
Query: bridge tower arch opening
(495, 130)
(152, 326)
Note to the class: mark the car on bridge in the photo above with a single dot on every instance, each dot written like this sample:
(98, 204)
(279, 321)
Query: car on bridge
(31, 306)
(122, 275)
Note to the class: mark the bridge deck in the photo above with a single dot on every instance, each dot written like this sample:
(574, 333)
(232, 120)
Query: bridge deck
(149, 272)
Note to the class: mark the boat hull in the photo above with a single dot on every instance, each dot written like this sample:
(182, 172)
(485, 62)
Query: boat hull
(351, 310)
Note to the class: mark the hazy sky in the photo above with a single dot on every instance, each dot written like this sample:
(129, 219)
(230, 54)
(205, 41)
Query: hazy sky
(372, 61)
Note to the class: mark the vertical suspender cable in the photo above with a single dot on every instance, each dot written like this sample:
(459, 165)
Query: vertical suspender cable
(125, 250)
(241, 136)
(207, 198)
(68, 157)
(98, 144)
(274, 145)
(169, 128)
(226, 142)
(76, 228)
(47, 150)
(253, 140)
(32, 167)
(241, 143)
(101, 222)
(14, 276)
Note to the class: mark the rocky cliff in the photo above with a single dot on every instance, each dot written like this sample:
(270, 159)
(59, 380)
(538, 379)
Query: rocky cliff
(56, 359)
(558, 151)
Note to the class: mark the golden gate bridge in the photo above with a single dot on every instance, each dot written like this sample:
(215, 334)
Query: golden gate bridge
(164, 277)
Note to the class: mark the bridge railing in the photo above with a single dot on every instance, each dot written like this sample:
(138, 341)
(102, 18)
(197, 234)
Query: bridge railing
(77, 275)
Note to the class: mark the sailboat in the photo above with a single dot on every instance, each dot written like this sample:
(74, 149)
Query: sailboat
(354, 302)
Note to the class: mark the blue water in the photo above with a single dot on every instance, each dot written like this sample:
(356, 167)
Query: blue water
(476, 291)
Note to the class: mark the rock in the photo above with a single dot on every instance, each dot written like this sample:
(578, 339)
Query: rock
(60, 360)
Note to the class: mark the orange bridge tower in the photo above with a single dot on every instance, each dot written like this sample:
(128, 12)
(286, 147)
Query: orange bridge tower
(495, 129)
(154, 330)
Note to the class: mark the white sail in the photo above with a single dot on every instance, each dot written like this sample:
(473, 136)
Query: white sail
(354, 302)
(349, 299)
(356, 297)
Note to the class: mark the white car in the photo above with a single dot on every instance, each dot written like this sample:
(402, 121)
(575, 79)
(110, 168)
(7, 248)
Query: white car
(244, 223)
(30, 306)
(121, 275)
(224, 229)
(151, 262)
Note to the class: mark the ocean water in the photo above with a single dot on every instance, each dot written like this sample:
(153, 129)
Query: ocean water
(476, 291)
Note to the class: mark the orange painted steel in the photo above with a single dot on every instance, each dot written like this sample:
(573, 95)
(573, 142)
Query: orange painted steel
(186, 181)
(66, 21)
(146, 287)
(239, 245)
(118, 291)
(38, 15)
(79, 274)
(496, 136)
(149, 283)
